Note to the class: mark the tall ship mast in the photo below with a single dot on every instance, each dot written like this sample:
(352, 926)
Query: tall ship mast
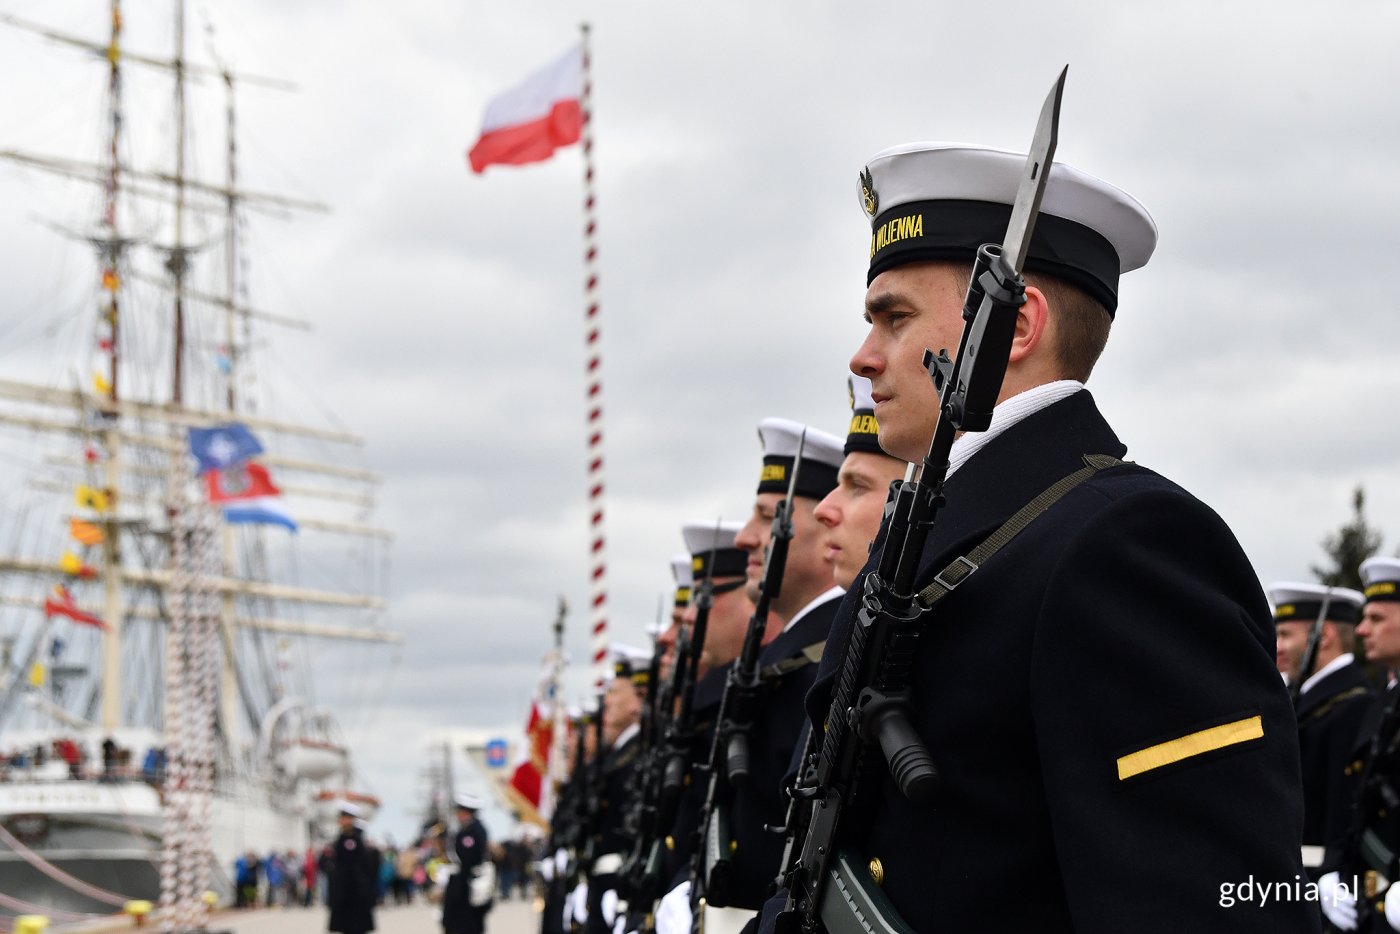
(164, 340)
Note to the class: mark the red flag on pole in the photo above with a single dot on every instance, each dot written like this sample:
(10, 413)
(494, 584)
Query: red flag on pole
(61, 604)
(242, 481)
(534, 118)
(528, 778)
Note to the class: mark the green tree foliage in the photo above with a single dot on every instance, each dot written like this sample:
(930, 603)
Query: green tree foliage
(1352, 544)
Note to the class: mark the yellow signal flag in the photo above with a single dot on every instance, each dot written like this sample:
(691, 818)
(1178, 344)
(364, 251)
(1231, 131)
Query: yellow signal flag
(85, 533)
(37, 675)
(92, 498)
(73, 566)
(99, 383)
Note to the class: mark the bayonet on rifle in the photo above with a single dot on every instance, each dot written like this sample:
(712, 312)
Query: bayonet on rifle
(1309, 659)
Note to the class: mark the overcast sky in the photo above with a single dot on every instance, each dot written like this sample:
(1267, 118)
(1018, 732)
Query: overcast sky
(1252, 360)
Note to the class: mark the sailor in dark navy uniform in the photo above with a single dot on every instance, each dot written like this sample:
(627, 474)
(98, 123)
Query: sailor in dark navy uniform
(352, 885)
(850, 514)
(622, 709)
(469, 851)
(1332, 701)
(1115, 745)
(801, 615)
(714, 557)
(667, 641)
(796, 630)
(1359, 891)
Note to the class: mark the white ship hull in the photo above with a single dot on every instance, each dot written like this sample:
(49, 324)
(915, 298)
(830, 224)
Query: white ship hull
(107, 835)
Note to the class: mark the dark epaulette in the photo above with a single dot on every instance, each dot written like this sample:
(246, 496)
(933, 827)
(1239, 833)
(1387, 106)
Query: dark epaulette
(808, 656)
(1326, 707)
(626, 757)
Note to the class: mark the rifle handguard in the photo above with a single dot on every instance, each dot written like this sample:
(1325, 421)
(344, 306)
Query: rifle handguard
(736, 759)
(886, 719)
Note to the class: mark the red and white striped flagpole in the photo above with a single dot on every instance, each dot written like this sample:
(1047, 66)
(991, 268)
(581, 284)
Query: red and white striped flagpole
(593, 380)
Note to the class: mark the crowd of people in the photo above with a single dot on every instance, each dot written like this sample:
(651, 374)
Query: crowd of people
(354, 875)
(68, 756)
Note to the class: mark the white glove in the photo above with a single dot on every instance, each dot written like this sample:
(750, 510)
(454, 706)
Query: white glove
(1392, 906)
(621, 926)
(561, 860)
(545, 868)
(1339, 902)
(673, 914)
(578, 904)
(608, 906)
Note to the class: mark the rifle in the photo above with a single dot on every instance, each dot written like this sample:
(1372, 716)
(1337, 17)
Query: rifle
(711, 864)
(567, 831)
(570, 833)
(645, 802)
(1309, 659)
(800, 790)
(590, 799)
(1367, 854)
(830, 887)
(674, 758)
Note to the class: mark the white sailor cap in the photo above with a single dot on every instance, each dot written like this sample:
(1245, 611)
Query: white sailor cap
(1381, 578)
(680, 568)
(630, 662)
(864, 431)
(349, 809)
(468, 801)
(821, 458)
(711, 543)
(1294, 602)
(941, 201)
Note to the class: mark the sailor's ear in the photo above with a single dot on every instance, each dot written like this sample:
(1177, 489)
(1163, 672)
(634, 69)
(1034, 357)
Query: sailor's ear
(1031, 320)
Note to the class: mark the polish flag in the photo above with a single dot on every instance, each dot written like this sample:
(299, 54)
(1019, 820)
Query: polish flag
(534, 118)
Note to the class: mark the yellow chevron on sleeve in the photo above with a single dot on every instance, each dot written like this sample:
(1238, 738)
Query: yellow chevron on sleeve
(1192, 744)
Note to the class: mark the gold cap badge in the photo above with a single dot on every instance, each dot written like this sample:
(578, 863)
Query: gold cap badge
(869, 198)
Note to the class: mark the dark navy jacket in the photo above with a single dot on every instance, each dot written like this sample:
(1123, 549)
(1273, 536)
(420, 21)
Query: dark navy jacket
(1125, 620)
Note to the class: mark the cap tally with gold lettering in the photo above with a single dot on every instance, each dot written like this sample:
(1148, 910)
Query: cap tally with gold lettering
(630, 663)
(1381, 578)
(941, 201)
(1295, 603)
(821, 458)
(713, 545)
(680, 569)
(864, 433)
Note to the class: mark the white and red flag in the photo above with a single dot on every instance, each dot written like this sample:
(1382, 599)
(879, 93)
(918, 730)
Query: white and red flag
(534, 118)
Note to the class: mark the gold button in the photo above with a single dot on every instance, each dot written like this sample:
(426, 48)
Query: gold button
(733, 847)
(670, 842)
(877, 871)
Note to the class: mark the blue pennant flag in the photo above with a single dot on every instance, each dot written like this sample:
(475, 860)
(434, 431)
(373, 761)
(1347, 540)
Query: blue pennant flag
(223, 446)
